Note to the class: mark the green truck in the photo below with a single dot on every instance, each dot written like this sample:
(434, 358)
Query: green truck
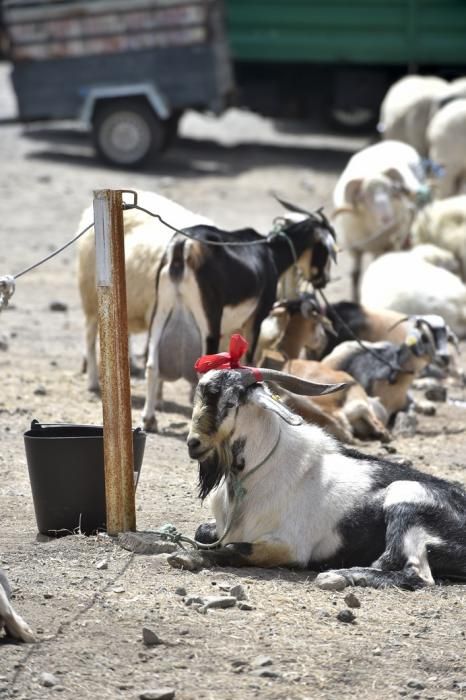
(298, 58)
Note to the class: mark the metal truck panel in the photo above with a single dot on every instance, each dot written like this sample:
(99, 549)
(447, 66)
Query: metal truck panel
(338, 31)
(45, 30)
(62, 51)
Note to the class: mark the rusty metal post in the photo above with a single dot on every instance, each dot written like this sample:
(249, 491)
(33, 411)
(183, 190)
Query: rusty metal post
(114, 363)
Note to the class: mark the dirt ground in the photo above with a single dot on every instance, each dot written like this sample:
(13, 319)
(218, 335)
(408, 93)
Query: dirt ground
(89, 620)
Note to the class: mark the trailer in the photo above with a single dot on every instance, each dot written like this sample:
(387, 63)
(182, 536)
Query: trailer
(125, 70)
(299, 58)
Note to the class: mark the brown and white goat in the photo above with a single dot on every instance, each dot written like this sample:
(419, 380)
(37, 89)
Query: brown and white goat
(346, 414)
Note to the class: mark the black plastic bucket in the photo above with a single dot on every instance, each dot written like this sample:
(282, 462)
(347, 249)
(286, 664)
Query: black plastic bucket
(66, 471)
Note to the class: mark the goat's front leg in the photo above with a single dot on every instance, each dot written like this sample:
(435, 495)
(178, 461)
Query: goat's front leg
(153, 391)
(356, 274)
(265, 553)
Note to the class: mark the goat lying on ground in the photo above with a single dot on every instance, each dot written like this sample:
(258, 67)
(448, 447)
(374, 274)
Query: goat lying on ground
(294, 325)
(307, 501)
(350, 320)
(205, 291)
(9, 619)
(347, 414)
(387, 370)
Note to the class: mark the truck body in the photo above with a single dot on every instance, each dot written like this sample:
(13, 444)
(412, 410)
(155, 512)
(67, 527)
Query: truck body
(74, 58)
(294, 57)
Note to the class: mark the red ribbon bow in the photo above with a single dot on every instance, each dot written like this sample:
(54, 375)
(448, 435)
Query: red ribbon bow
(227, 360)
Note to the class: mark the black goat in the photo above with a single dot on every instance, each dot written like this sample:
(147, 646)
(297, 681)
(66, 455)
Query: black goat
(206, 290)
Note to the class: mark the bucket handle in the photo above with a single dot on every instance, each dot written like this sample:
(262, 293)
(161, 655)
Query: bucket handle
(37, 424)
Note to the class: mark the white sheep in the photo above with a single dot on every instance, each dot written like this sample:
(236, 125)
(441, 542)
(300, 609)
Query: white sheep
(407, 108)
(145, 241)
(404, 282)
(375, 201)
(443, 223)
(446, 135)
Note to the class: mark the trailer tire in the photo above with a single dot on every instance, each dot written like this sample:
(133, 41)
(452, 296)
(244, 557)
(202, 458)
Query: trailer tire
(127, 133)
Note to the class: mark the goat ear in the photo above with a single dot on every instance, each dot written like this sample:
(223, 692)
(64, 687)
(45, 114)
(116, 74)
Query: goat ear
(353, 191)
(274, 404)
(453, 338)
(394, 174)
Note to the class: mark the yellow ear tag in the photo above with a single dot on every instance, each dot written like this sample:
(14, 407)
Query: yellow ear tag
(411, 340)
(276, 398)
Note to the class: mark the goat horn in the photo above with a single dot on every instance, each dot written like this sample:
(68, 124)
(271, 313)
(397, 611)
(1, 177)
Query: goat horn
(299, 386)
(289, 206)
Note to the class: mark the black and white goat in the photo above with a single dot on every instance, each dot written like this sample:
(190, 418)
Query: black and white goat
(307, 501)
(386, 369)
(205, 291)
(9, 619)
(350, 320)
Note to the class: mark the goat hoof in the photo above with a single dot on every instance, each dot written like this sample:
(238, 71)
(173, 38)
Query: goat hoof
(331, 581)
(150, 424)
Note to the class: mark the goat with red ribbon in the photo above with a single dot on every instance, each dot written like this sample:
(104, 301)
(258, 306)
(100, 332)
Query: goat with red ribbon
(228, 360)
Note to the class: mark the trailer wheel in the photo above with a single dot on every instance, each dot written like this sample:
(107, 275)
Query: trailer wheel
(127, 132)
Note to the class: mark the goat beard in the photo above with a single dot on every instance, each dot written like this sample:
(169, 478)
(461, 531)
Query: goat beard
(214, 468)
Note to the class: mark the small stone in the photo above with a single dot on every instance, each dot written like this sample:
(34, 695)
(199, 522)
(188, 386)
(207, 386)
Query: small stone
(219, 602)
(377, 651)
(436, 393)
(58, 306)
(238, 592)
(459, 685)
(245, 606)
(102, 564)
(416, 684)
(352, 601)
(181, 591)
(150, 638)
(346, 615)
(235, 663)
(47, 596)
(40, 390)
(194, 599)
(260, 661)
(425, 383)
(330, 581)
(405, 424)
(390, 449)
(145, 543)
(157, 694)
(190, 561)
(4, 344)
(425, 408)
(48, 680)
(265, 673)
